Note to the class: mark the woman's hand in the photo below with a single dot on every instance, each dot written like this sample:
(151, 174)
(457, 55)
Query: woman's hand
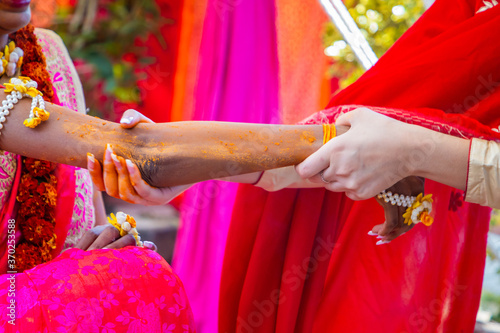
(121, 178)
(108, 237)
(394, 225)
(370, 157)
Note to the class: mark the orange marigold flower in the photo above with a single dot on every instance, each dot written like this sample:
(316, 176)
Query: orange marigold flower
(27, 186)
(48, 193)
(131, 220)
(426, 219)
(36, 230)
(53, 179)
(50, 215)
(37, 168)
(23, 195)
(27, 256)
(28, 183)
(34, 206)
(36, 212)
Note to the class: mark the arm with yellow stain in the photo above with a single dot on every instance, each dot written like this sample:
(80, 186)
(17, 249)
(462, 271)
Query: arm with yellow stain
(167, 154)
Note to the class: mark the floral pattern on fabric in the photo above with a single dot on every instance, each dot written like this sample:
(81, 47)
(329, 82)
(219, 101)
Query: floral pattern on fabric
(487, 5)
(456, 200)
(105, 291)
(8, 166)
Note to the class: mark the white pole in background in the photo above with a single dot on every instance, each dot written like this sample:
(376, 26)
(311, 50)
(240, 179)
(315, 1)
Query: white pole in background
(349, 30)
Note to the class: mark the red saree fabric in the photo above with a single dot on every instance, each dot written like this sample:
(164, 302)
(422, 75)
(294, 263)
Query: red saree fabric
(157, 88)
(300, 260)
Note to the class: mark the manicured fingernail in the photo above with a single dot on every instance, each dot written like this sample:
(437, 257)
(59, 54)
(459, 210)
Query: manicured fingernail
(382, 242)
(91, 160)
(130, 165)
(126, 120)
(371, 233)
(109, 149)
(148, 245)
(380, 237)
(117, 162)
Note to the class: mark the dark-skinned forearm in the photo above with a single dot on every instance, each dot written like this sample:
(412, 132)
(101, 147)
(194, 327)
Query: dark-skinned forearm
(65, 137)
(167, 154)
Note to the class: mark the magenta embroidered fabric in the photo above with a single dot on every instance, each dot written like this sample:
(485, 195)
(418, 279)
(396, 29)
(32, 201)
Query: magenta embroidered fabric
(106, 291)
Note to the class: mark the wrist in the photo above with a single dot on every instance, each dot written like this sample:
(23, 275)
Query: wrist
(411, 153)
(341, 129)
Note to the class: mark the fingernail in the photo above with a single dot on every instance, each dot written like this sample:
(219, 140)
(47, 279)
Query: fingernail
(91, 160)
(130, 165)
(371, 233)
(148, 245)
(126, 120)
(380, 237)
(381, 242)
(115, 159)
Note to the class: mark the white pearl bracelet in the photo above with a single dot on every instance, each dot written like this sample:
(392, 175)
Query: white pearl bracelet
(396, 199)
(8, 105)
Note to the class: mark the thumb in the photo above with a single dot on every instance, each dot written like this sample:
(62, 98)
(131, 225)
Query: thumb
(345, 119)
(316, 162)
(131, 118)
(349, 118)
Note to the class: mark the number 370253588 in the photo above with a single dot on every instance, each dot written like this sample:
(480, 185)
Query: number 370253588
(11, 243)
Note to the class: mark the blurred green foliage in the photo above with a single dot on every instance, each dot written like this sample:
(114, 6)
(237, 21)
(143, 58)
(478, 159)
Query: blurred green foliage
(103, 38)
(492, 303)
(382, 22)
(495, 218)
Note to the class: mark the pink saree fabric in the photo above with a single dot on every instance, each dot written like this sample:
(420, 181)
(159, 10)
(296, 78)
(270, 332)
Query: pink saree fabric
(237, 81)
(106, 291)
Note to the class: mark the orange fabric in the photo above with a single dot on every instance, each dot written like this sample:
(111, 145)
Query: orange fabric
(303, 64)
(193, 15)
